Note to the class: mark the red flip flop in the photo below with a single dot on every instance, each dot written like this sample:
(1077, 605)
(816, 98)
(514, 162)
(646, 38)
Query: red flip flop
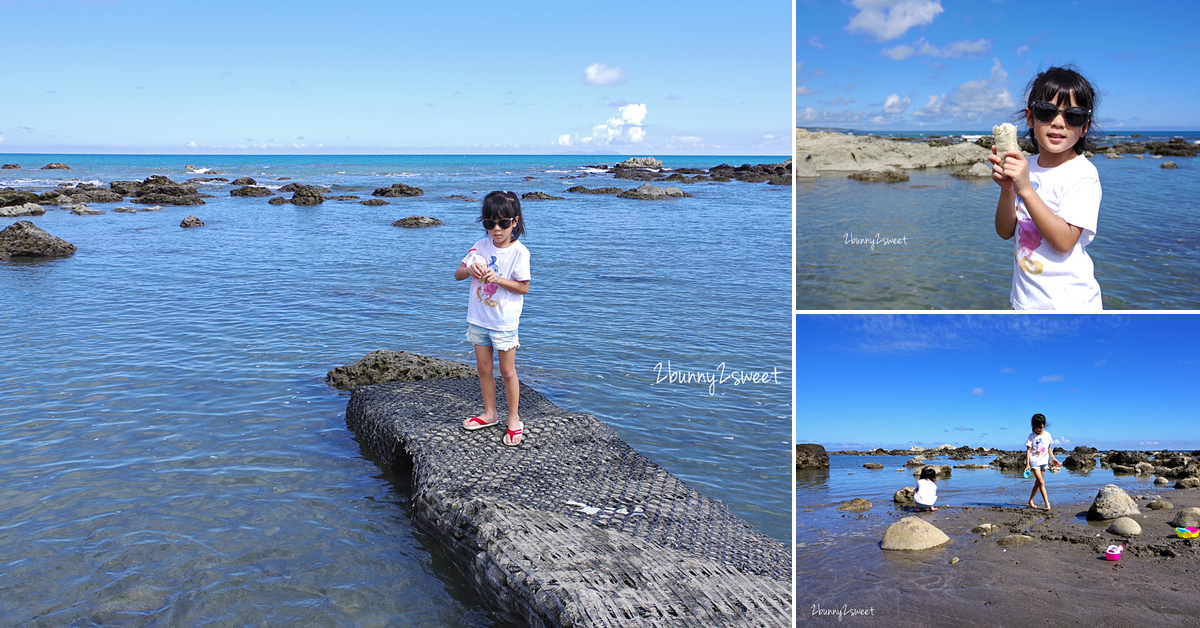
(512, 438)
(476, 423)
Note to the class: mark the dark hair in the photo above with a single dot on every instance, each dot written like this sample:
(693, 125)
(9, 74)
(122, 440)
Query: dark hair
(1056, 86)
(1038, 420)
(498, 205)
(929, 473)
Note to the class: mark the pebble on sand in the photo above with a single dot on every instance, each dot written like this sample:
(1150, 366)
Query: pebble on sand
(1125, 527)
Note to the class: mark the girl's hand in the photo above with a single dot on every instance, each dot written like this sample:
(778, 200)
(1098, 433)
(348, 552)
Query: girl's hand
(478, 271)
(1016, 169)
(1005, 183)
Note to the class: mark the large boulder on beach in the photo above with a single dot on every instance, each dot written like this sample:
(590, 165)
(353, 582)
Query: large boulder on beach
(1187, 518)
(1125, 527)
(25, 239)
(1112, 502)
(913, 533)
(811, 456)
(398, 190)
(857, 504)
(396, 366)
(904, 496)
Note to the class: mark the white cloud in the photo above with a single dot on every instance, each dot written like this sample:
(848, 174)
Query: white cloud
(889, 19)
(815, 42)
(983, 98)
(1052, 378)
(963, 48)
(627, 125)
(933, 107)
(1, 139)
(689, 139)
(1022, 50)
(563, 140)
(803, 90)
(895, 105)
(979, 391)
(190, 145)
(601, 74)
(1008, 369)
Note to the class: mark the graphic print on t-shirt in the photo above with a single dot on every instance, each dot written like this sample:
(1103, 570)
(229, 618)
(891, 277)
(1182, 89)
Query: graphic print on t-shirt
(1029, 238)
(485, 292)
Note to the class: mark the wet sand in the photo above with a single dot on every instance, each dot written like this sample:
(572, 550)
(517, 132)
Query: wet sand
(1062, 579)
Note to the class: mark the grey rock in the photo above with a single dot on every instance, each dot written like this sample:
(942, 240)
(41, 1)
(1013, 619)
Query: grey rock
(398, 190)
(1160, 504)
(25, 239)
(1125, 527)
(985, 529)
(1015, 540)
(396, 366)
(807, 168)
(884, 176)
(1168, 165)
(83, 210)
(1192, 482)
(651, 192)
(904, 496)
(1187, 518)
(56, 166)
(977, 171)
(942, 470)
(1112, 502)
(278, 200)
(873, 465)
(1079, 461)
(841, 151)
(417, 221)
(811, 456)
(10, 167)
(191, 221)
(1161, 480)
(916, 461)
(28, 209)
(857, 504)
(641, 162)
(250, 190)
(913, 533)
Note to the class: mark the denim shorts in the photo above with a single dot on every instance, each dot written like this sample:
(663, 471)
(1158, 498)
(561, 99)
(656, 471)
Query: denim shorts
(1041, 467)
(501, 340)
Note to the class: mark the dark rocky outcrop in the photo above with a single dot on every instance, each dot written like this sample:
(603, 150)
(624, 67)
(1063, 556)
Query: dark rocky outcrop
(278, 200)
(416, 222)
(540, 196)
(10, 197)
(579, 189)
(191, 221)
(651, 192)
(811, 456)
(398, 190)
(385, 365)
(641, 162)
(250, 190)
(159, 190)
(10, 167)
(307, 196)
(25, 239)
(374, 202)
(124, 188)
(857, 504)
(885, 176)
(56, 166)
(244, 181)
(1168, 165)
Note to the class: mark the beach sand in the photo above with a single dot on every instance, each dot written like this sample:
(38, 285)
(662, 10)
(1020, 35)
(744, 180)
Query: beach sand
(1062, 579)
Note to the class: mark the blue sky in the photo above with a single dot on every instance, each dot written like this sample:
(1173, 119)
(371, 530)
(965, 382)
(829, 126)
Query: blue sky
(396, 77)
(964, 65)
(1107, 381)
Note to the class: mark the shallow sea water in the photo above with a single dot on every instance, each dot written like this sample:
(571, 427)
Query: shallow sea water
(948, 256)
(171, 455)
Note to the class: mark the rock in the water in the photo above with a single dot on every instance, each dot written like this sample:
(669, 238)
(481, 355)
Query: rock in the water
(244, 181)
(27, 209)
(1010, 460)
(25, 239)
(1187, 518)
(1160, 504)
(579, 189)
(1168, 165)
(398, 190)
(10, 167)
(1014, 540)
(942, 470)
(56, 166)
(885, 176)
(857, 504)
(1192, 482)
(977, 171)
(278, 200)
(807, 169)
(307, 195)
(250, 190)
(651, 192)
(83, 210)
(904, 496)
(985, 529)
(540, 196)
(374, 202)
(417, 221)
(1112, 502)
(396, 366)
(1078, 460)
(641, 162)
(191, 221)
(913, 533)
(915, 461)
(1161, 480)
(160, 190)
(873, 465)
(1125, 527)
(811, 456)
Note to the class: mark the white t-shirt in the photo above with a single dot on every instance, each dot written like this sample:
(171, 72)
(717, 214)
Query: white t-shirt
(491, 306)
(1039, 448)
(926, 492)
(1043, 279)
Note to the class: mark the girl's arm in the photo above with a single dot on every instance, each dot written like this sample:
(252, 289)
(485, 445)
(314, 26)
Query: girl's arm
(462, 272)
(1006, 207)
(1027, 461)
(519, 287)
(1060, 234)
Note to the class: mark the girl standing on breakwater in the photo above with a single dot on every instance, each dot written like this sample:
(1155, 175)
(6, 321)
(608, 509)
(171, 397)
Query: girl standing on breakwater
(1039, 452)
(498, 266)
(1052, 204)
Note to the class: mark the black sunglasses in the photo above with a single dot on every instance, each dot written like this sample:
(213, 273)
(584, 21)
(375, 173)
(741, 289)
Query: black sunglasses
(491, 224)
(1045, 112)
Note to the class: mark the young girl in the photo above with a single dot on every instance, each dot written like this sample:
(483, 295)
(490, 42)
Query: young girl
(498, 266)
(1038, 454)
(926, 493)
(1053, 203)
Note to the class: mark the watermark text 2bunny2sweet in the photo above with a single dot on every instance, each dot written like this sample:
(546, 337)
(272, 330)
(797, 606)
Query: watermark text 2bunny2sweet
(720, 375)
(875, 240)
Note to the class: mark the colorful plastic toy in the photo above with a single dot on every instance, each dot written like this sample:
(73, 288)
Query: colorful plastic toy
(1026, 474)
(1114, 552)
(1187, 533)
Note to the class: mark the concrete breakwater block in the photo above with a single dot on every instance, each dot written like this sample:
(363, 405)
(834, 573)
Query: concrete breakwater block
(573, 527)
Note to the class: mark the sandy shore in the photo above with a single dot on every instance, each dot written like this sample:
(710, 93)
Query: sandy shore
(1062, 579)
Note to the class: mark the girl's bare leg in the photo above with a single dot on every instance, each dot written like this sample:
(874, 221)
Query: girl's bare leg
(487, 381)
(512, 386)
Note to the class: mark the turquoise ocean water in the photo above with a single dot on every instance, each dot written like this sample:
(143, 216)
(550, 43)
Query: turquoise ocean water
(171, 454)
(942, 252)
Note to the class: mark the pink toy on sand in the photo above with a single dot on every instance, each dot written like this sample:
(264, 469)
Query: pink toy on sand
(1114, 552)
(1187, 533)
